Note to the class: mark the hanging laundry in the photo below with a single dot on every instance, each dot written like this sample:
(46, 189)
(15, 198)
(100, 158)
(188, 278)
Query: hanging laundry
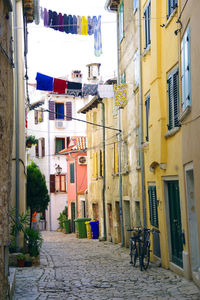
(90, 89)
(46, 18)
(36, 5)
(120, 94)
(70, 24)
(66, 23)
(97, 36)
(84, 26)
(61, 22)
(79, 25)
(90, 26)
(74, 24)
(59, 86)
(41, 13)
(74, 88)
(50, 19)
(44, 82)
(55, 21)
(105, 91)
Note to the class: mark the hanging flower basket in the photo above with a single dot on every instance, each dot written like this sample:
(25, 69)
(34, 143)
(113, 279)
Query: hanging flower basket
(31, 140)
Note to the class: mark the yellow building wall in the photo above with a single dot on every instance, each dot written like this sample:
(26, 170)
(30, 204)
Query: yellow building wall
(161, 154)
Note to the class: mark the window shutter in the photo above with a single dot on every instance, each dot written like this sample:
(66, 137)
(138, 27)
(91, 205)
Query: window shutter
(176, 99)
(37, 150)
(69, 111)
(52, 183)
(147, 104)
(153, 208)
(72, 173)
(52, 110)
(43, 146)
(36, 116)
(170, 102)
(100, 163)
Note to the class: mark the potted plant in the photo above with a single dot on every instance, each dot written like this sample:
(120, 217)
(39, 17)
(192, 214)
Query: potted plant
(31, 140)
(20, 260)
(34, 242)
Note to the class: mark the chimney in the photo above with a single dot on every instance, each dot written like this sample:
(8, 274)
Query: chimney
(76, 76)
(93, 72)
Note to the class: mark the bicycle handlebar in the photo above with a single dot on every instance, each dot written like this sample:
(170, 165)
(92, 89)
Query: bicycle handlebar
(138, 229)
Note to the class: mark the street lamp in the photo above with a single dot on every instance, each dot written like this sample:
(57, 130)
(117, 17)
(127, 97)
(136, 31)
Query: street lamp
(58, 169)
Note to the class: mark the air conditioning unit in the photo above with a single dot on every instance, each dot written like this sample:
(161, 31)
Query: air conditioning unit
(60, 124)
(82, 160)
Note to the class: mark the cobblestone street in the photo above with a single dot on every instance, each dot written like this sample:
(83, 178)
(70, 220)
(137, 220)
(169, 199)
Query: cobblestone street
(73, 268)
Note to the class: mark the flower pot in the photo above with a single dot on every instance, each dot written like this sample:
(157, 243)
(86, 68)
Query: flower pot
(20, 262)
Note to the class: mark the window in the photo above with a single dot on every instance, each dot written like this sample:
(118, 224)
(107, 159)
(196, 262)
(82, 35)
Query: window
(136, 60)
(172, 4)
(69, 111)
(116, 162)
(121, 21)
(123, 78)
(51, 110)
(95, 166)
(60, 144)
(52, 183)
(72, 173)
(59, 107)
(173, 100)
(100, 163)
(38, 116)
(40, 148)
(60, 183)
(153, 206)
(185, 70)
(147, 104)
(135, 5)
(147, 24)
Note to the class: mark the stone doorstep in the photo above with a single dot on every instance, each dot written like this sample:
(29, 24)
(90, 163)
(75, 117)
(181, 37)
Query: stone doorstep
(11, 280)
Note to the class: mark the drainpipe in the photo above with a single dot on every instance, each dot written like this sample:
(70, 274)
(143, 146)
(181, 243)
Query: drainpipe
(49, 172)
(141, 153)
(104, 169)
(16, 82)
(119, 145)
(75, 181)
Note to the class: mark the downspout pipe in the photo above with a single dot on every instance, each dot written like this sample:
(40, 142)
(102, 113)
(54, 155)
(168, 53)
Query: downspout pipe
(119, 145)
(104, 168)
(141, 152)
(16, 87)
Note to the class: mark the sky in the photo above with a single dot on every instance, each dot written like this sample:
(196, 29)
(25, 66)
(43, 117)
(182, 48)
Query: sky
(56, 54)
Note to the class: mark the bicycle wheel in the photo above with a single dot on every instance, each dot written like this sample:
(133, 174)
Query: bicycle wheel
(135, 254)
(145, 256)
(131, 251)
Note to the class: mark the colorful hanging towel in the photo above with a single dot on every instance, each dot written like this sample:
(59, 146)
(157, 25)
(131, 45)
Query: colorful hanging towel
(74, 88)
(120, 94)
(105, 91)
(90, 26)
(50, 19)
(61, 22)
(70, 23)
(46, 17)
(97, 36)
(44, 83)
(74, 24)
(79, 25)
(55, 20)
(59, 86)
(36, 5)
(90, 89)
(84, 26)
(66, 23)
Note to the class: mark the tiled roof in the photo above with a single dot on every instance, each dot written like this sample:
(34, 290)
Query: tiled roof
(76, 143)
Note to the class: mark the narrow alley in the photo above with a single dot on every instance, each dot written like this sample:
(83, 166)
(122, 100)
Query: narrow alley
(72, 268)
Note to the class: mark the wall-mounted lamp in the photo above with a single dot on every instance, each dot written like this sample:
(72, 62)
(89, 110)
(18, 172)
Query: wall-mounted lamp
(58, 169)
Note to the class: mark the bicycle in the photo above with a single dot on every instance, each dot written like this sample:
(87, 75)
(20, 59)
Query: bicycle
(140, 247)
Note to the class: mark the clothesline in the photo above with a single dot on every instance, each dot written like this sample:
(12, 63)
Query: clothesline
(76, 89)
(72, 24)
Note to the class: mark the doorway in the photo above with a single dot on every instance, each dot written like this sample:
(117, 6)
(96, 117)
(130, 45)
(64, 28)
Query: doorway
(110, 222)
(72, 216)
(192, 220)
(175, 222)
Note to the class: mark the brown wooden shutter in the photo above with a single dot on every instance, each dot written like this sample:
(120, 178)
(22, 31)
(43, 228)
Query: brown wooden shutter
(52, 110)
(43, 146)
(36, 116)
(69, 111)
(37, 150)
(52, 183)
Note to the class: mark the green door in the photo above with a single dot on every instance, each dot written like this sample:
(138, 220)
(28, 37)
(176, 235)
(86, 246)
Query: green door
(175, 222)
(73, 216)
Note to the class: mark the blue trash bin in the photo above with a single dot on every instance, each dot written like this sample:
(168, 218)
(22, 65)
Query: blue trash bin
(94, 229)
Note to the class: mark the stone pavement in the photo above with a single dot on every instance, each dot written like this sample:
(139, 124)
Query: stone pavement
(73, 268)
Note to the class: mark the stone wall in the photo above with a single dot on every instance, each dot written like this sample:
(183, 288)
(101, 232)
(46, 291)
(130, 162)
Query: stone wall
(6, 125)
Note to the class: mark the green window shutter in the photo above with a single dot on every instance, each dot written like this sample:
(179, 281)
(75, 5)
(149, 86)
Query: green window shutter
(147, 104)
(176, 98)
(147, 24)
(170, 103)
(72, 173)
(153, 207)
